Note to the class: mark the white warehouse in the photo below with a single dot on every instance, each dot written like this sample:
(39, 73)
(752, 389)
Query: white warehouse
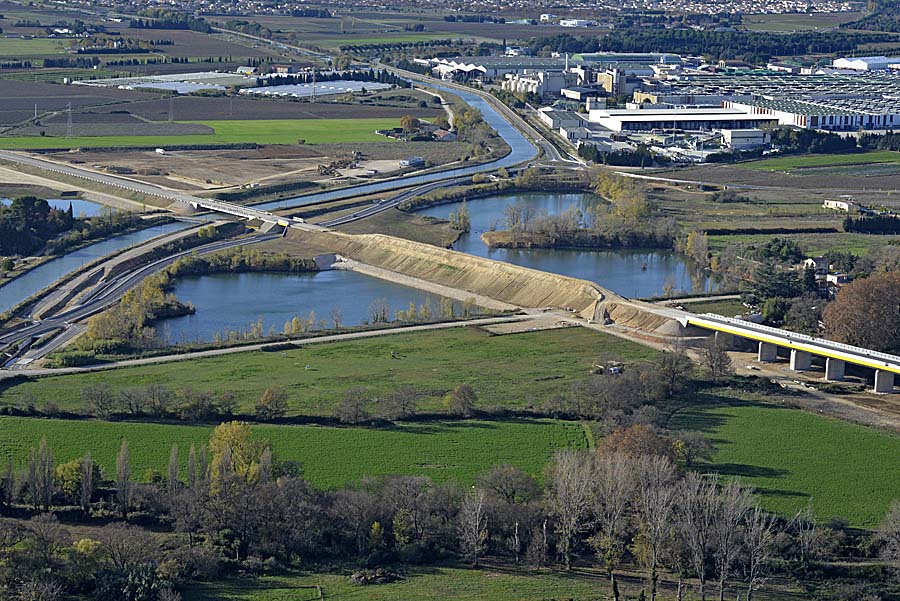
(692, 119)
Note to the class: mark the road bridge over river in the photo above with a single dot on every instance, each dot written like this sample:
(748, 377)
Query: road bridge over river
(802, 347)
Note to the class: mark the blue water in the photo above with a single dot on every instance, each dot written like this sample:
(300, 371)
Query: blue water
(80, 208)
(522, 150)
(231, 302)
(631, 273)
(40, 277)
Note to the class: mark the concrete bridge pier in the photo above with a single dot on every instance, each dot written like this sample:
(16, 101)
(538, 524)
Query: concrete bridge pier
(800, 360)
(884, 382)
(834, 369)
(725, 340)
(768, 352)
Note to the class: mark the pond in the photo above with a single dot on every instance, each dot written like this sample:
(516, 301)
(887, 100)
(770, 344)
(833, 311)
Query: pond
(634, 273)
(233, 302)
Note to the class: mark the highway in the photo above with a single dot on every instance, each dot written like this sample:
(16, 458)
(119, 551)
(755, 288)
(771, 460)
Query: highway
(112, 291)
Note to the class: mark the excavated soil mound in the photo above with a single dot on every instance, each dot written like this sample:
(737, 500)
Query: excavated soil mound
(501, 281)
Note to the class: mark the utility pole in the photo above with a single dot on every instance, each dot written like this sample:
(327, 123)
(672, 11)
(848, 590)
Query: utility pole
(69, 121)
(314, 84)
(171, 108)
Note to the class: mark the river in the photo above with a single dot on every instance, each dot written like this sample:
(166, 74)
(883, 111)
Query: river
(521, 150)
(232, 302)
(631, 272)
(40, 277)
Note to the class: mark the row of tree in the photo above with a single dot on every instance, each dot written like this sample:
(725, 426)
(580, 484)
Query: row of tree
(234, 506)
(751, 46)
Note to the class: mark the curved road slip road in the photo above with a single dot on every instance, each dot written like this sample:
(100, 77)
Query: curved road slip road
(113, 290)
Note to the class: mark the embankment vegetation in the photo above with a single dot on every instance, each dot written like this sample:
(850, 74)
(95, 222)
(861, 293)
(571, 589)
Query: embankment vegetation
(126, 327)
(30, 225)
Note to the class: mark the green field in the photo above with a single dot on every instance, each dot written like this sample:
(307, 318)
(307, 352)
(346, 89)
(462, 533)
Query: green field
(278, 131)
(812, 244)
(513, 370)
(727, 307)
(11, 48)
(791, 456)
(437, 583)
(330, 457)
(789, 163)
(797, 21)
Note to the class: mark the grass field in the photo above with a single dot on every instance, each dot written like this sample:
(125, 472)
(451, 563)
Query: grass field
(791, 456)
(513, 370)
(797, 22)
(727, 307)
(279, 131)
(11, 48)
(436, 583)
(331, 457)
(789, 163)
(812, 244)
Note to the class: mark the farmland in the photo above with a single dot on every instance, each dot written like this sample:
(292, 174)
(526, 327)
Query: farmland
(511, 371)
(789, 163)
(791, 456)
(797, 22)
(330, 457)
(14, 48)
(226, 132)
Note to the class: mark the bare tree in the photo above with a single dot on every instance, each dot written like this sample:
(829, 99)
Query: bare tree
(735, 502)
(716, 359)
(568, 497)
(462, 400)
(159, 399)
(44, 476)
(265, 465)
(337, 317)
(192, 468)
(40, 588)
(760, 529)
(87, 482)
(889, 535)
(696, 518)
(352, 408)
(656, 494)
(99, 400)
(172, 481)
(8, 485)
(399, 404)
(804, 523)
(132, 400)
(613, 488)
(473, 530)
(272, 405)
(123, 479)
(691, 446)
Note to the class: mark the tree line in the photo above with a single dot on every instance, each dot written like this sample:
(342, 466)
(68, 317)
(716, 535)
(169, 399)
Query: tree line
(753, 47)
(231, 506)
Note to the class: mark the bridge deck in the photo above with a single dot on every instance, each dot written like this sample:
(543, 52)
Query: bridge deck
(793, 340)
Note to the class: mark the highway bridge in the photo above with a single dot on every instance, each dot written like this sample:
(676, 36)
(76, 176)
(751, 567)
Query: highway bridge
(802, 348)
(130, 185)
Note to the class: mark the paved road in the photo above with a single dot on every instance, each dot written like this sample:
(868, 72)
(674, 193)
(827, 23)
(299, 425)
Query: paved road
(260, 346)
(112, 291)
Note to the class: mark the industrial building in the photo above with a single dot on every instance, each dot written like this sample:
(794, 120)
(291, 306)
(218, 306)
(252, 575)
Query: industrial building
(702, 119)
(864, 63)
